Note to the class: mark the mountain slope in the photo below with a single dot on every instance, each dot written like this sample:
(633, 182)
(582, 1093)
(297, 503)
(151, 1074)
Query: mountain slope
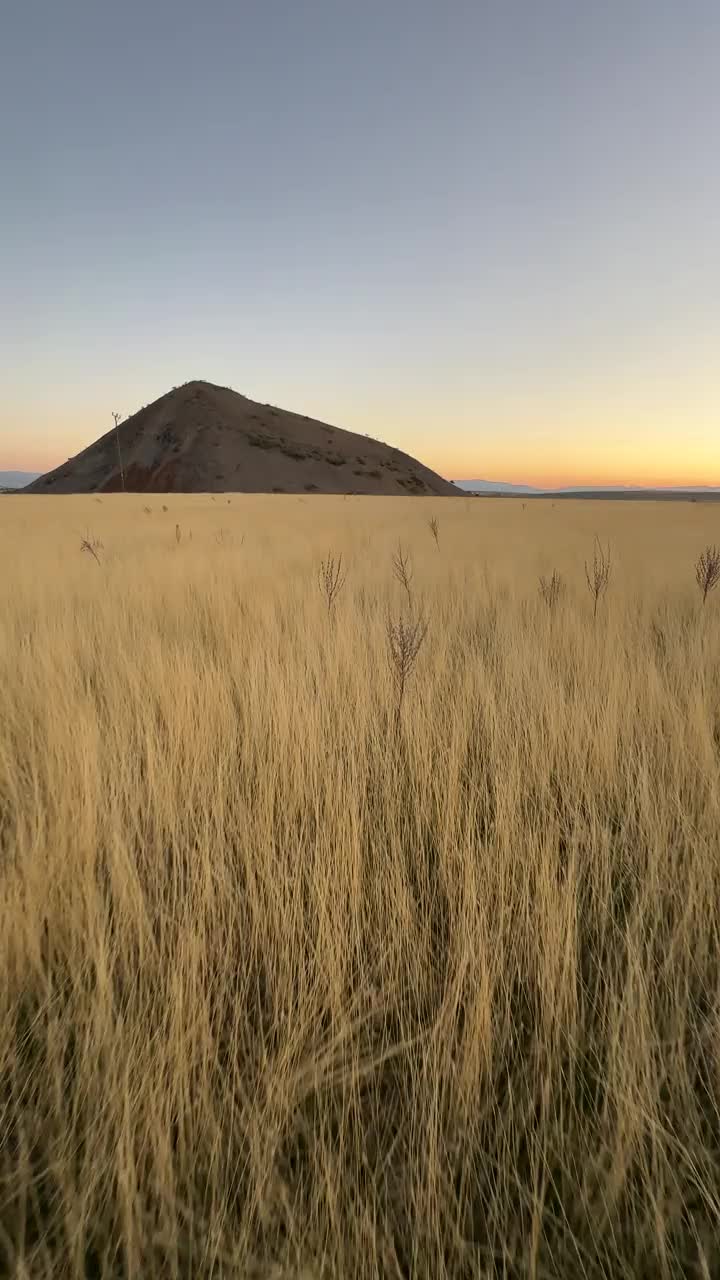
(200, 438)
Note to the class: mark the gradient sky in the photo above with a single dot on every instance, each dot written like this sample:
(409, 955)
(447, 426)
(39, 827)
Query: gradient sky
(488, 233)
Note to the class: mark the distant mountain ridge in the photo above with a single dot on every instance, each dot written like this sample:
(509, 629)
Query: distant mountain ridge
(17, 479)
(494, 486)
(506, 489)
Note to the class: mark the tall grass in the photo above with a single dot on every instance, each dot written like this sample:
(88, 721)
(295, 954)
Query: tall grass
(287, 992)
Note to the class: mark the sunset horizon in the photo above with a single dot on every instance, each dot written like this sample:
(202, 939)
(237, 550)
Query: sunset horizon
(498, 285)
(498, 456)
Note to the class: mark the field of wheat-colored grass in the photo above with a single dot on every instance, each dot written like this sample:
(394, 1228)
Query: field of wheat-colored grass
(291, 986)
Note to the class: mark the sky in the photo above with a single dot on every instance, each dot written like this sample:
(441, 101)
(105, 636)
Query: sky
(487, 233)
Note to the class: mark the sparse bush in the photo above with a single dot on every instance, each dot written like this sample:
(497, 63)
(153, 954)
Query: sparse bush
(597, 574)
(552, 589)
(435, 530)
(92, 546)
(707, 570)
(405, 638)
(261, 441)
(403, 572)
(332, 580)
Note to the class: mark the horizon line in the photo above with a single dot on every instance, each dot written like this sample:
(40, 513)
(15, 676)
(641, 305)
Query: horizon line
(559, 486)
(531, 485)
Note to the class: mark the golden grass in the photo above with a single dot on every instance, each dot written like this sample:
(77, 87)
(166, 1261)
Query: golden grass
(285, 993)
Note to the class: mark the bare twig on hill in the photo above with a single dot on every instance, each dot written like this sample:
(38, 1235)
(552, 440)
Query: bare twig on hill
(707, 570)
(117, 419)
(331, 579)
(403, 571)
(597, 575)
(405, 638)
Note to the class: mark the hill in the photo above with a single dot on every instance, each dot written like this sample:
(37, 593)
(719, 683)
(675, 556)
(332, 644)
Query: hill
(200, 438)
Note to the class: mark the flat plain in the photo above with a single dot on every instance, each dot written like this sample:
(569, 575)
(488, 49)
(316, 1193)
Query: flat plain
(293, 985)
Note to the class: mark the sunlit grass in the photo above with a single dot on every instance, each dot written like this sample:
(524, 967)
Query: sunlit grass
(294, 985)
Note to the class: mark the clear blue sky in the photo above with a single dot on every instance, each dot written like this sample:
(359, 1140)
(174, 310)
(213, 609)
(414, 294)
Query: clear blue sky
(488, 232)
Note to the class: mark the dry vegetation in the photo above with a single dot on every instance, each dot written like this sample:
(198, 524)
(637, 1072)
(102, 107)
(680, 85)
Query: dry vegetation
(293, 984)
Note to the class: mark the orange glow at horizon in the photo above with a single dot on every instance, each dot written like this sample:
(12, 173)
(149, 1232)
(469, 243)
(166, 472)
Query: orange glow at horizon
(694, 463)
(541, 479)
(509, 470)
(517, 444)
(514, 466)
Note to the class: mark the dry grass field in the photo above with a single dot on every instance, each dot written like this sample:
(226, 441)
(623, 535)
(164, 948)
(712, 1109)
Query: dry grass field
(293, 987)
